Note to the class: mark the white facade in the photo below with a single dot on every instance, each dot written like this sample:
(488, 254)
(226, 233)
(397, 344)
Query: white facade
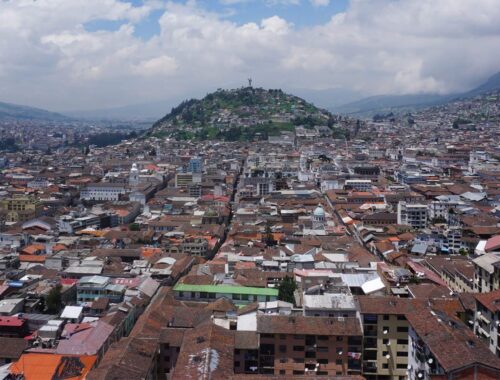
(359, 184)
(414, 215)
(103, 192)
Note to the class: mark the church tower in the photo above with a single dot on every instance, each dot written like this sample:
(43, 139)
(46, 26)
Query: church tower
(133, 179)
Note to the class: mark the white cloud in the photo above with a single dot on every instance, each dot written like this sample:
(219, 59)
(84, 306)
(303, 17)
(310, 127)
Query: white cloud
(163, 65)
(320, 3)
(49, 59)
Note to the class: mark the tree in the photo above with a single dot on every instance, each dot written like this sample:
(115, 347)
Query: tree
(286, 289)
(134, 227)
(53, 301)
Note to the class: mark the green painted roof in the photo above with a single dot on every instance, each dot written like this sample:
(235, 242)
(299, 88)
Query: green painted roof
(226, 289)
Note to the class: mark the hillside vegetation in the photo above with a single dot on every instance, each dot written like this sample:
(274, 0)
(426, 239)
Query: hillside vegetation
(240, 114)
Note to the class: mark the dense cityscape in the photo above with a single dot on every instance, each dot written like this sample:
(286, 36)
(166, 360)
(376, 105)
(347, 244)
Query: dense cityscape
(303, 252)
(249, 190)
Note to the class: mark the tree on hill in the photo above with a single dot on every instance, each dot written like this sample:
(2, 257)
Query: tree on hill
(286, 289)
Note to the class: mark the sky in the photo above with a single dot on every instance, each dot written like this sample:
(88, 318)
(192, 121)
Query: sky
(92, 54)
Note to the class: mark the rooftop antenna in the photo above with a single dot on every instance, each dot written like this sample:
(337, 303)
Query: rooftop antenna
(249, 82)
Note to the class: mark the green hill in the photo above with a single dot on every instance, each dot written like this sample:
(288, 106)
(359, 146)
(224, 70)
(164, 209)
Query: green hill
(240, 114)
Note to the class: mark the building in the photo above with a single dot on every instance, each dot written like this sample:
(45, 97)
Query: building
(90, 288)
(20, 209)
(385, 341)
(486, 272)
(195, 165)
(318, 218)
(487, 319)
(442, 347)
(103, 191)
(240, 295)
(358, 184)
(414, 215)
(298, 345)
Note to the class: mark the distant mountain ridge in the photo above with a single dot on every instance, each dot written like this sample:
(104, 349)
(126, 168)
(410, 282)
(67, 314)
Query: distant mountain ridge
(10, 111)
(386, 103)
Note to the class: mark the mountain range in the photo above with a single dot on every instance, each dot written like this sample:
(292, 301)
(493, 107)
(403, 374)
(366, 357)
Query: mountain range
(17, 112)
(332, 99)
(385, 103)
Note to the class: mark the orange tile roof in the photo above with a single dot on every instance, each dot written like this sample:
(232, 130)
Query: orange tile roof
(32, 258)
(150, 251)
(33, 248)
(36, 366)
(59, 247)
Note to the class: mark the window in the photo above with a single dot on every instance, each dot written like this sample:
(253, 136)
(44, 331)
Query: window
(282, 348)
(322, 349)
(401, 318)
(298, 336)
(386, 317)
(236, 364)
(401, 366)
(338, 362)
(403, 329)
(402, 353)
(322, 337)
(402, 341)
(385, 341)
(282, 372)
(340, 338)
(323, 361)
(282, 336)
(298, 348)
(339, 351)
(295, 372)
(237, 351)
(385, 330)
(385, 365)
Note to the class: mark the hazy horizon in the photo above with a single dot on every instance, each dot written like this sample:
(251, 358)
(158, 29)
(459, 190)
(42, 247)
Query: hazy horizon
(92, 55)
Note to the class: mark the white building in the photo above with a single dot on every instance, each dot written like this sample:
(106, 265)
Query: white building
(359, 184)
(103, 191)
(414, 215)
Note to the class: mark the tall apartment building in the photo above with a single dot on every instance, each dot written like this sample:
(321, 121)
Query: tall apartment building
(298, 345)
(414, 215)
(487, 272)
(487, 319)
(385, 344)
(442, 347)
(20, 209)
(195, 165)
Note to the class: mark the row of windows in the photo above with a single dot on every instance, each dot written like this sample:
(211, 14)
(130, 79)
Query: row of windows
(399, 329)
(300, 336)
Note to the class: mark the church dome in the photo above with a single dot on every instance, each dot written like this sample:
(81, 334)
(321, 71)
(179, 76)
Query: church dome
(319, 212)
